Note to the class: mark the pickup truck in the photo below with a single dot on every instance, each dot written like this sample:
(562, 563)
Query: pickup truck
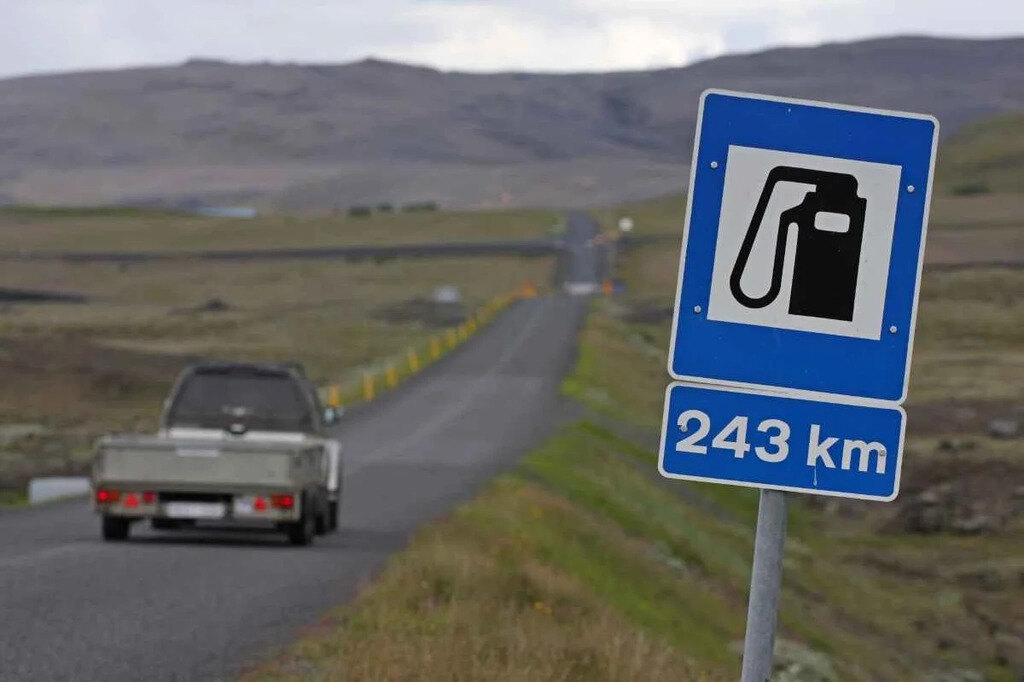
(239, 444)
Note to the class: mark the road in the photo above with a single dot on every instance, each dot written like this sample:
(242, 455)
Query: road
(200, 604)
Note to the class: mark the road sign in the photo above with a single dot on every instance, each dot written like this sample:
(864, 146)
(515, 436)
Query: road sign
(779, 441)
(803, 244)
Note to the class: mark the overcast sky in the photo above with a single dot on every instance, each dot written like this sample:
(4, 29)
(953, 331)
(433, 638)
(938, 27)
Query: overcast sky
(479, 35)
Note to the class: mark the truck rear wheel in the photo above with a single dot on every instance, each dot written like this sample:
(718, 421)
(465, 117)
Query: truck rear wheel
(332, 516)
(301, 532)
(115, 528)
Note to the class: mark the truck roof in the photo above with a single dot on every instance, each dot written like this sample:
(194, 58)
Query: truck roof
(224, 367)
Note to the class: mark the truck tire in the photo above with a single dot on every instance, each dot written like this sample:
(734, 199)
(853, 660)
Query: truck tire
(115, 528)
(332, 516)
(323, 523)
(302, 532)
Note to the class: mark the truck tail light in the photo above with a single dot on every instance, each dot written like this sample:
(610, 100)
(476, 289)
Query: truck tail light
(107, 496)
(259, 504)
(282, 501)
(131, 500)
(149, 497)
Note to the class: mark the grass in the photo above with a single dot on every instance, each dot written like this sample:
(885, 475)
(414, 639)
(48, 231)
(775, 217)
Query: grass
(12, 498)
(985, 157)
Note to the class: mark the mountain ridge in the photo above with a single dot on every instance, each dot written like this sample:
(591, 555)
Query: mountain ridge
(324, 136)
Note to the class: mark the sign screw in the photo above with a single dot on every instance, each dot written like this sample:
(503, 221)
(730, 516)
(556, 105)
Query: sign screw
(893, 329)
(696, 309)
(714, 164)
(910, 188)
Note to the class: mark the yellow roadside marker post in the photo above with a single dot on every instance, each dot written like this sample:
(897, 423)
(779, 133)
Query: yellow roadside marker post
(368, 386)
(451, 338)
(435, 348)
(414, 361)
(333, 396)
(391, 376)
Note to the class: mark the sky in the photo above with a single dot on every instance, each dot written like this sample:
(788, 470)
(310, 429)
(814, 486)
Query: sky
(473, 35)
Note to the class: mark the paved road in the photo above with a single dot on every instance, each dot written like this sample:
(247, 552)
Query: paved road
(197, 605)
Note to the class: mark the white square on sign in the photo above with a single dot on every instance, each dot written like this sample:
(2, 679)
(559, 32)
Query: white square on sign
(804, 242)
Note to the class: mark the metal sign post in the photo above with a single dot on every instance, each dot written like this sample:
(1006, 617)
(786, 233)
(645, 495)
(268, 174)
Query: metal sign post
(765, 587)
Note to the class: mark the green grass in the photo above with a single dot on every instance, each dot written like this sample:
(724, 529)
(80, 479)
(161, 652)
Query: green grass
(12, 498)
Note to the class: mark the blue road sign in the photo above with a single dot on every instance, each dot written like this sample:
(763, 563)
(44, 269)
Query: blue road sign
(803, 246)
(773, 440)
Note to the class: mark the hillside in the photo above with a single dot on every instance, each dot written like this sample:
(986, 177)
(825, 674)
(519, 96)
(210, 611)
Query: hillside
(985, 157)
(323, 136)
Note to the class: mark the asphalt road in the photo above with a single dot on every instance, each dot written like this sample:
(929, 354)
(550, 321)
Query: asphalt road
(198, 605)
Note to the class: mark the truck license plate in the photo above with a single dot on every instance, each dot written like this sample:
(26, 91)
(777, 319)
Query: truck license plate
(194, 510)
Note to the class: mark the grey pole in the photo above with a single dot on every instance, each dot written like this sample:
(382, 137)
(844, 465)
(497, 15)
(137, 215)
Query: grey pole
(765, 585)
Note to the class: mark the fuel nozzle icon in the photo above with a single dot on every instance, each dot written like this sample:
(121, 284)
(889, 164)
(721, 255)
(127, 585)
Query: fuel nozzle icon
(830, 228)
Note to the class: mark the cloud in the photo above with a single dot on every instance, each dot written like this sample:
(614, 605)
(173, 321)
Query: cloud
(571, 35)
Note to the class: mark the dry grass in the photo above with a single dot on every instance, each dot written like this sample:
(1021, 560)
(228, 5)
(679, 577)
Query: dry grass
(474, 599)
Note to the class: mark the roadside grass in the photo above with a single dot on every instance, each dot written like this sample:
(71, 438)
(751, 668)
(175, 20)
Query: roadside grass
(129, 229)
(12, 498)
(527, 583)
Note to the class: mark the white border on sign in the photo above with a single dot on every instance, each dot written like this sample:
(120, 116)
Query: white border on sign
(842, 400)
(798, 392)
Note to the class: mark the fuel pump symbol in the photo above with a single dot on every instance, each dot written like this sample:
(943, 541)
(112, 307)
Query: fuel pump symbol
(830, 229)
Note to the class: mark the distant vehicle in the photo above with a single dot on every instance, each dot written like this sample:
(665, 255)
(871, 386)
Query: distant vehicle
(239, 443)
(447, 306)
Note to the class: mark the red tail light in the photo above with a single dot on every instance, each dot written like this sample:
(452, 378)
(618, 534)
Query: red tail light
(260, 504)
(149, 497)
(131, 500)
(282, 501)
(107, 496)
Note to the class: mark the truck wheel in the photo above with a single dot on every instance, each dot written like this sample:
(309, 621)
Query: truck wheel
(332, 516)
(323, 523)
(115, 528)
(301, 532)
